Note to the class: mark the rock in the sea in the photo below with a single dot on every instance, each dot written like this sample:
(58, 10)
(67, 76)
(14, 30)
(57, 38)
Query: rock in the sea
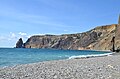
(19, 43)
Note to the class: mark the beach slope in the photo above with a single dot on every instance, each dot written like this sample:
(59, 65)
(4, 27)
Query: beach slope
(88, 68)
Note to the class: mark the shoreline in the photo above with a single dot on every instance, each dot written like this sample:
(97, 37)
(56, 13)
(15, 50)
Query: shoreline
(71, 57)
(106, 67)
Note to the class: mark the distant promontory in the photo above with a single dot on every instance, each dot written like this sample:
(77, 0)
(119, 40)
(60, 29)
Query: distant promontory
(98, 38)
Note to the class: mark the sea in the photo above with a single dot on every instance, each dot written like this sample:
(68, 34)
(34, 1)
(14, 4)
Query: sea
(17, 56)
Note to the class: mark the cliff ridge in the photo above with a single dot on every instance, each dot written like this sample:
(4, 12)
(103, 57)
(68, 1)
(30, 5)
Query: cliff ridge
(98, 38)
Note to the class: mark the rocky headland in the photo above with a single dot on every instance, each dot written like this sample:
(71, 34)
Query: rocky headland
(98, 38)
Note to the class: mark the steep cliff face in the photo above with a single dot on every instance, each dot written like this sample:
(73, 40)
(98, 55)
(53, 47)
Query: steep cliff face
(117, 36)
(98, 38)
(104, 42)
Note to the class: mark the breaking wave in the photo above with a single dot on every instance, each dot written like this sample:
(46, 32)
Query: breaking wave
(89, 56)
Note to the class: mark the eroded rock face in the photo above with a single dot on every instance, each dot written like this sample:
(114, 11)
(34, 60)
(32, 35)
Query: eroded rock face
(98, 38)
(117, 36)
(19, 43)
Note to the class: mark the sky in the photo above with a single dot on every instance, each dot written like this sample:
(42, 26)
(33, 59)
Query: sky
(24, 18)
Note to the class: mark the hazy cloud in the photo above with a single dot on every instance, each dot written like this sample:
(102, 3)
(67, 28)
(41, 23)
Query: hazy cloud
(14, 36)
(20, 33)
(65, 30)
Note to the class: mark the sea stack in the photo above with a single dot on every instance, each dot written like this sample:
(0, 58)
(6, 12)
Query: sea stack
(19, 43)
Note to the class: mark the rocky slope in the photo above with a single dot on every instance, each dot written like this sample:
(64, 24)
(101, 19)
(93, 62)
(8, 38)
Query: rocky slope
(98, 38)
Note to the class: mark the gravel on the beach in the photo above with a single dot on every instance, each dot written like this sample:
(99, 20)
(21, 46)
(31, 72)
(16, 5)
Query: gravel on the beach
(88, 68)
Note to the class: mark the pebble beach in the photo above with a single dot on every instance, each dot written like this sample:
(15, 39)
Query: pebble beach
(107, 67)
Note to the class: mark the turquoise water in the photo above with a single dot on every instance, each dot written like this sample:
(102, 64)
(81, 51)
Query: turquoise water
(16, 56)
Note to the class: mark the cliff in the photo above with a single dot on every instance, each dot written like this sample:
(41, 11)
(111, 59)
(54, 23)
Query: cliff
(98, 38)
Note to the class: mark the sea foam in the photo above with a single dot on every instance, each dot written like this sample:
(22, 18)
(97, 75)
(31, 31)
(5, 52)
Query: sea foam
(92, 55)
